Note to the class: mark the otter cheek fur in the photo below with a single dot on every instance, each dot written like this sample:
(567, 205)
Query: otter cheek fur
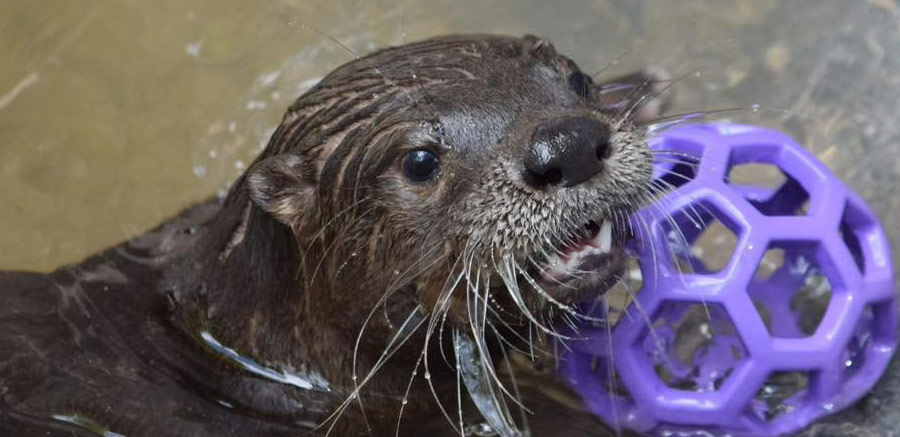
(417, 189)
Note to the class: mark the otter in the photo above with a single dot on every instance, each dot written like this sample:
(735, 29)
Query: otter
(468, 186)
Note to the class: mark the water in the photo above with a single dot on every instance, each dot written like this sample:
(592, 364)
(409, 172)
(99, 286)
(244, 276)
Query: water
(115, 115)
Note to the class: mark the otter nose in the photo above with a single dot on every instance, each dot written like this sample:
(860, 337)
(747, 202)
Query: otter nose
(566, 151)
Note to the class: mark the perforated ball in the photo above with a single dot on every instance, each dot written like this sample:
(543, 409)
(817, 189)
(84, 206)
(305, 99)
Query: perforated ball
(760, 299)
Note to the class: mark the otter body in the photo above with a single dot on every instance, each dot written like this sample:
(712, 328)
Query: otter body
(93, 348)
(465, 183)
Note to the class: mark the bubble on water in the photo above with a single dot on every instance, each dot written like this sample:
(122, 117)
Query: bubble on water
(267, 79)
(193, 49)
(256, 105)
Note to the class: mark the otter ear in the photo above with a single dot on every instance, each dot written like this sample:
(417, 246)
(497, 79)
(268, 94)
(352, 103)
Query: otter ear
(277, 185)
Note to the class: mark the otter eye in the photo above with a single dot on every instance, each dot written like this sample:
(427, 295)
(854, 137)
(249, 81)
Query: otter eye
(581, 83)
(420, 165)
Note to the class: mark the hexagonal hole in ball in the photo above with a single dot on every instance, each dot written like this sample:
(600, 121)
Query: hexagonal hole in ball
(700, 239)
(769, 189)
(692, 346)
(791, 266)
(853, 223)
(853, 357)
(622, 295)
(675, 165)
(609, 378)
(781, 393)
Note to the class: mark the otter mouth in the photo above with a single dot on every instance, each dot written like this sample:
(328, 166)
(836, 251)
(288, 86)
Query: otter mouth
(585, 266)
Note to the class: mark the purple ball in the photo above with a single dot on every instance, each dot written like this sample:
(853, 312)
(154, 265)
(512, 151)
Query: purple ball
(761, 307)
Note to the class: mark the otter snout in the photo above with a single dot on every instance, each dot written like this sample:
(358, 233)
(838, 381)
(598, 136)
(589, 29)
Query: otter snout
(566, 151)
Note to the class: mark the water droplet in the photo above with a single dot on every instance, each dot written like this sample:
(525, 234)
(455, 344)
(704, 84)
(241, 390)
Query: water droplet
(755, 107)
(199, 171)
(239, 164)
(405, 401)
(213, 154)
(829, 407)
(427, 375)
(354, 377)
(396, 272)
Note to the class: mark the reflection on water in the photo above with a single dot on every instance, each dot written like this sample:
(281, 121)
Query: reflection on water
(114, 115)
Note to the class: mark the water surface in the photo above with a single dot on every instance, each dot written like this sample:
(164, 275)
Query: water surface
(116, 114)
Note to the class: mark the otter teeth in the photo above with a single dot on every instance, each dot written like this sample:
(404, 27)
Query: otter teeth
(603, 240)
(600, 244)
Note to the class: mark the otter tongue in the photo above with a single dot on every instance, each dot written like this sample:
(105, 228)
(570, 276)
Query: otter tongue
(586, 255)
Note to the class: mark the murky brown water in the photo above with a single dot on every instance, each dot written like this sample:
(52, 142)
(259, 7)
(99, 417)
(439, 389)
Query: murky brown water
(116, 114)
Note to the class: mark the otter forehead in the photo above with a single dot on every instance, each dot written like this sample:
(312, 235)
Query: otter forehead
(509, 113)
(474, 86)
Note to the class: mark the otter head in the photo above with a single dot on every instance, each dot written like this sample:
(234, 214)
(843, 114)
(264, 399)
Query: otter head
(452, 181)
(455, 170)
